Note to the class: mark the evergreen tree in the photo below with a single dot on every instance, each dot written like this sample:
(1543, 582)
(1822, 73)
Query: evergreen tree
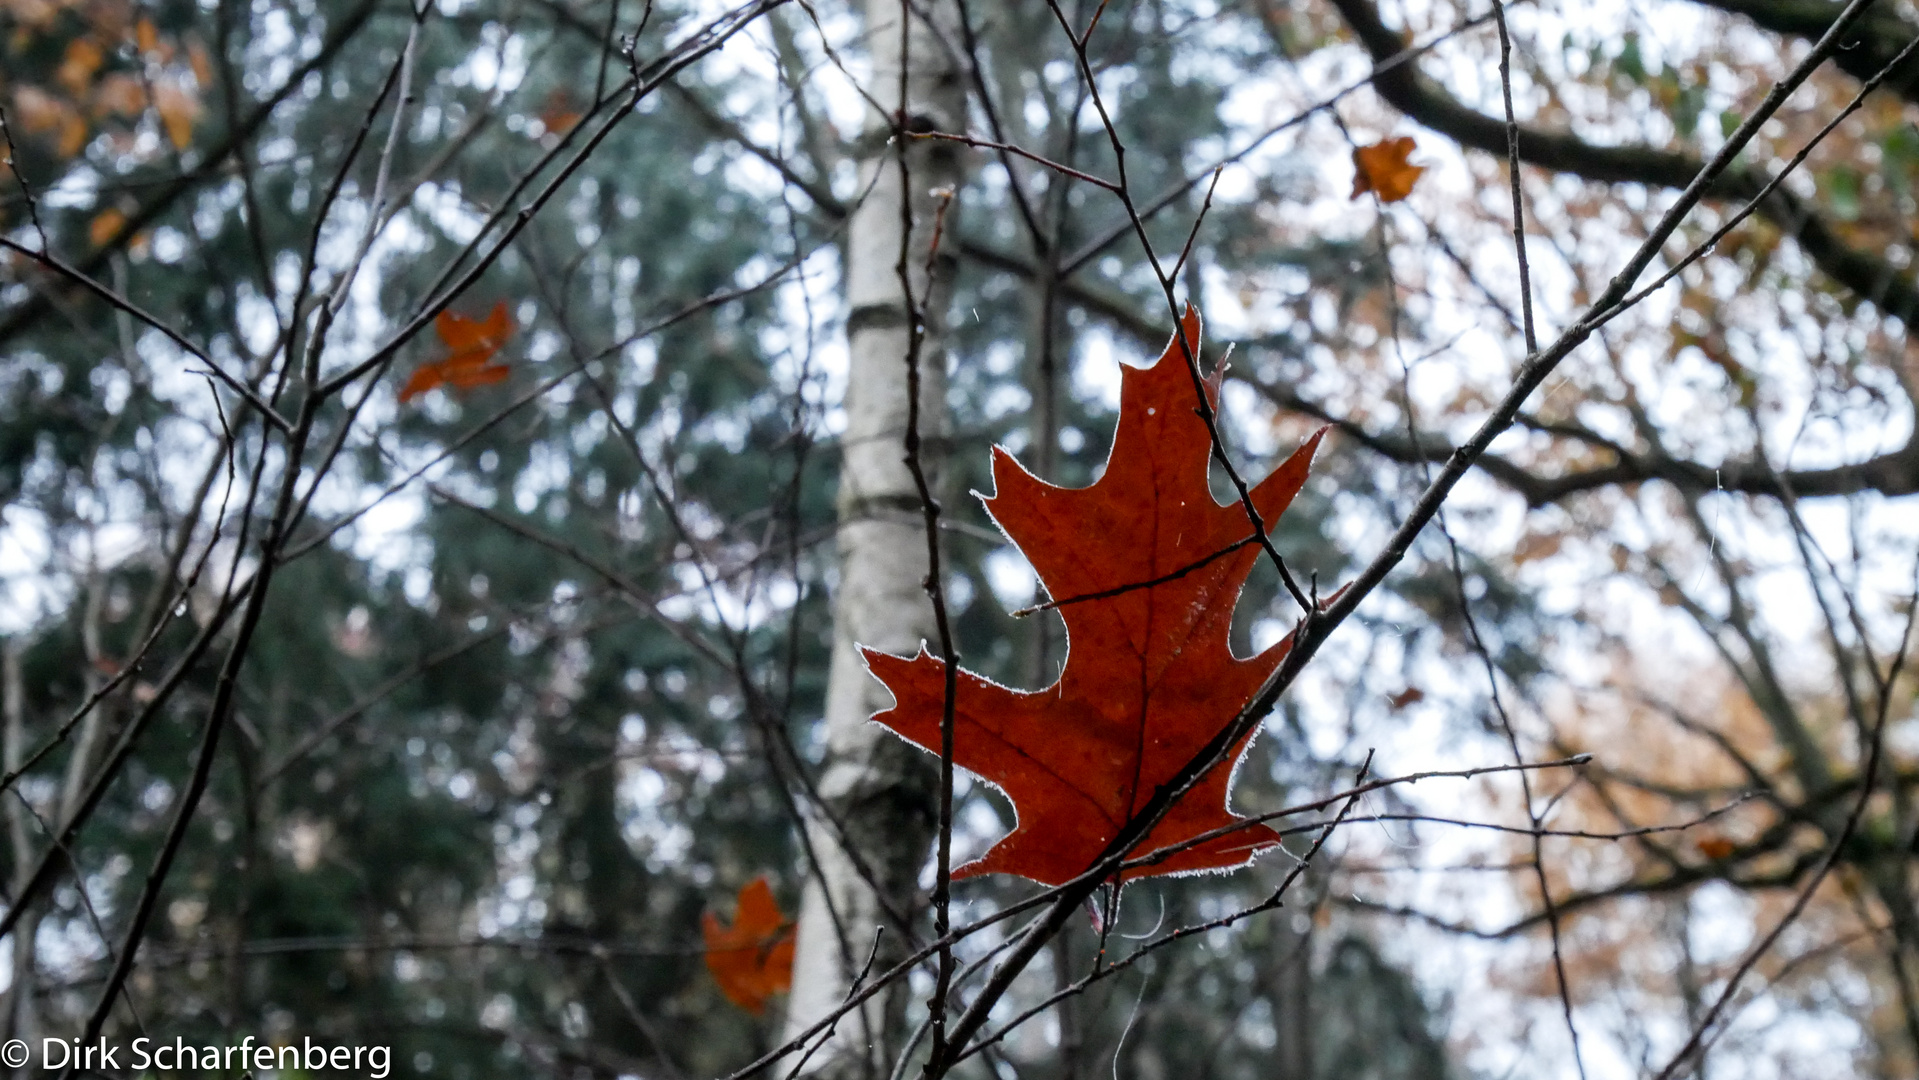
(448, 453)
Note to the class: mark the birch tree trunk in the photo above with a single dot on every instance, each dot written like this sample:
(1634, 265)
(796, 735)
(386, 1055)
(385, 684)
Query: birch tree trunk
(21, 1020)
(880, 790)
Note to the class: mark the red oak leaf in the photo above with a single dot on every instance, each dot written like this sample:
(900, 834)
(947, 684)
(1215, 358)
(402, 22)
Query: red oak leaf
(471, 344)
(1145, 567)
(753, 959)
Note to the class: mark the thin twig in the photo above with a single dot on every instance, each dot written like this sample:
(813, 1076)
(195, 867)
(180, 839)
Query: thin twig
(1017, 151)
(1512, 170)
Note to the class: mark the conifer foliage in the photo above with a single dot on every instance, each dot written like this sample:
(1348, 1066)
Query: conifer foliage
(451, 454)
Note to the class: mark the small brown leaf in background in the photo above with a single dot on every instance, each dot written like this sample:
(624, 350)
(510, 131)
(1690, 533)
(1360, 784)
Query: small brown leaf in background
(752, 959)
(1535, 546)
(178, 108)
(1412, 695)
(40, 112)
(471, 344)
(84, 57)
(145, 36)
(1713, 846)
(121, 94)
(1382, 168)
(73, 137)
(559, 114)
(31, 14)
(35, 110)
(201, 62)
(105, 226)
(110, 22)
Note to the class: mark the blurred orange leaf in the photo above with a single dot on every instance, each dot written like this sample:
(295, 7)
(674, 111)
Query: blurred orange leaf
(558, 115)
(471, 344)
(753, 959)
(145, 36)
(201, 62)
(84, 57)
(39, 112)
(31, 14)
(1714, 846)
(105, 226)
(1412, 695)
(1382, 168)
(73, 136)
(1535, 546)
(120, 93)
(111, 22)
(178, 108)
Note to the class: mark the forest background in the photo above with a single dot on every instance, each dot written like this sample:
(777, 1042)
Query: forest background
(447, 455)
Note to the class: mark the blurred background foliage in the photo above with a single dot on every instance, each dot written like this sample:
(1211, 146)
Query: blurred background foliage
(511, 720)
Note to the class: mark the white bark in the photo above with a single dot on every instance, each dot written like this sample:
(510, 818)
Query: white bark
(878, 787)
(21, 1020)
(80, 765)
